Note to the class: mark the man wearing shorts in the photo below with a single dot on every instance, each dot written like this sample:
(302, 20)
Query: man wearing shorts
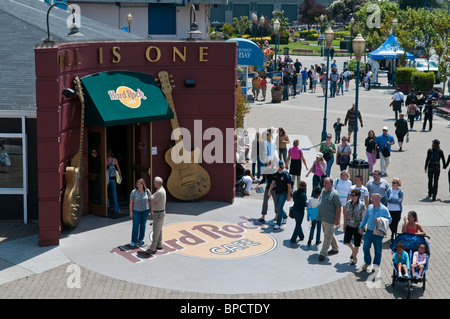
(350, 118)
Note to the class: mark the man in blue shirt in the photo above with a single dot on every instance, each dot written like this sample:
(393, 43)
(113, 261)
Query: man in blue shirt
(384, 142)
(304, 77)
(374, 211)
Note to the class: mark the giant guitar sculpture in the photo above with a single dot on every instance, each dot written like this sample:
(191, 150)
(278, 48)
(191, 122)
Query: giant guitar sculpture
(73, 196)
(188, 180)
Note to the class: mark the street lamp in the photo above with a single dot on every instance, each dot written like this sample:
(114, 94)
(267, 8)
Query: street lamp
(276, 28)
(255, 22)
(129, 20)
(193, 26)
(74, 31)
(261, 23)
(321, 18)
(352, 22)
(359, 45)
(329, 36)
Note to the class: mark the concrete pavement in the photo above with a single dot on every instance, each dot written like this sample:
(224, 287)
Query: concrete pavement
(89, 263)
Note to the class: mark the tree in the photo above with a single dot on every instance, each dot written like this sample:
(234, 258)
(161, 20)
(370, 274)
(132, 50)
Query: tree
(241, 25)
(309, 10)
(343, 9)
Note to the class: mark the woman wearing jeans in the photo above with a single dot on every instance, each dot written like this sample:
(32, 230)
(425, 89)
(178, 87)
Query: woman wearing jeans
(139, 210)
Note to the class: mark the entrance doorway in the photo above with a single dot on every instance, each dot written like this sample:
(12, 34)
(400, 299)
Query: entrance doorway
(130, 145)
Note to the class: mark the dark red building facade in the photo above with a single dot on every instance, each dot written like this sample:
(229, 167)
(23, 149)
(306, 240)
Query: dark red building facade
(203, 76)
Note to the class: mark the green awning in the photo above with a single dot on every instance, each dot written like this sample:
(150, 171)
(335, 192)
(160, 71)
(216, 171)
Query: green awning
(122, 97)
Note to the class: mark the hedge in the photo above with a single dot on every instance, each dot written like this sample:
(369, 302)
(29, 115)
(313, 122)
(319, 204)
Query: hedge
(422, 81)
(403, 75)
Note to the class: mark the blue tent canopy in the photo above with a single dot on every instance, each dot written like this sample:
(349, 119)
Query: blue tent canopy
(248, 52)
(390, 49)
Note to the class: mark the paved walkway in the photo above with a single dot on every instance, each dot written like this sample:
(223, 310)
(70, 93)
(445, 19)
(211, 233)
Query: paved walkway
(220, 251)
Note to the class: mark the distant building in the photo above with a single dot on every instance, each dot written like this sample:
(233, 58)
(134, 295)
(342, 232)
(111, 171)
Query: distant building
(238, 8)
(153, 19)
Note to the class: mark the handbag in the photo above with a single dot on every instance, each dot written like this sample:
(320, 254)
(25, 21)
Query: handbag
(385, 151)
(4, 159)
(343, 159)
(291, 212)
(118, 178)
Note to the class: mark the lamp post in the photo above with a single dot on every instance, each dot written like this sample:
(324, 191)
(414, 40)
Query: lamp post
(261, 24)
(329, 36)
(394, 24)
(352, 22)
(359, 45)
(129, 20)
(255, 22)
(321, 18)
(276, 28)
(74, 31)
(193, 26)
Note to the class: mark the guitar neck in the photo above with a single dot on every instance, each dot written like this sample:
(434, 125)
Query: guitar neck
(79, 156)
(174, 121)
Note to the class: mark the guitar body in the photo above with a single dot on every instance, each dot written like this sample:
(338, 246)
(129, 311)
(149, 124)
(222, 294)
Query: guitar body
(187, 181)
(72, 203)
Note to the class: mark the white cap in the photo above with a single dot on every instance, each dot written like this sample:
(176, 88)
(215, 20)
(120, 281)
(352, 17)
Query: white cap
(385, 128)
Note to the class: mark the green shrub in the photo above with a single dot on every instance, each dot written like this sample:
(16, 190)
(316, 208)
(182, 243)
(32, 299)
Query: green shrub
(312, 37)
(403, 75)
(423, 81)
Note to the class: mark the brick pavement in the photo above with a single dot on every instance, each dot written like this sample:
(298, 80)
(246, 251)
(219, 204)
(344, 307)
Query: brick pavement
(300, 116)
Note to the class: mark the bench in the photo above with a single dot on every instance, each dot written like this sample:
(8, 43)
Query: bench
(340, 51)
(444, 109)
(299, 51)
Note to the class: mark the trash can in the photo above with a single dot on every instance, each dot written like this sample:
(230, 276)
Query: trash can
(286, 50)
(359, 167)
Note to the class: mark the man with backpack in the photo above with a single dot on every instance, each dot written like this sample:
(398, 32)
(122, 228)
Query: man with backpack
(433, 167)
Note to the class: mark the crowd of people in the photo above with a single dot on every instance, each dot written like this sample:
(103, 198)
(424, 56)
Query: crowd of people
(344, 201)
(297, 79)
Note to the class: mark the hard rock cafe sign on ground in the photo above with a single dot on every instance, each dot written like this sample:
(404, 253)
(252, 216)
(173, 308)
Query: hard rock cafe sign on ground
(210, 240)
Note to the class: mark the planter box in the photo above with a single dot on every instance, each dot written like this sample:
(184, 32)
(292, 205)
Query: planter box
(277, 96)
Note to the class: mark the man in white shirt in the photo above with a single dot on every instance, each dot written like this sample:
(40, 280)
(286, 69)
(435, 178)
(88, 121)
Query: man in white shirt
(398, 99)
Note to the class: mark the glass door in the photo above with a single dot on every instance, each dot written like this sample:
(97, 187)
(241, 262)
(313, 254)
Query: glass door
(97, 171)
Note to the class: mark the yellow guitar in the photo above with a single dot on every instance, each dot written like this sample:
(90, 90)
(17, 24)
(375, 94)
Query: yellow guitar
(187, 180)
(73, 196)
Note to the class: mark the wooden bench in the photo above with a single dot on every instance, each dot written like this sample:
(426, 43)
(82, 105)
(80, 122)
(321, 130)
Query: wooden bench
(340, 51)
(300, 51)
(444, 109)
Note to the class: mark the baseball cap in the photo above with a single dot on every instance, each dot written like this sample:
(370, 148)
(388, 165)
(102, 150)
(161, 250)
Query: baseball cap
(319, 155)
(385, 128)
(280, 163)
(436, 141)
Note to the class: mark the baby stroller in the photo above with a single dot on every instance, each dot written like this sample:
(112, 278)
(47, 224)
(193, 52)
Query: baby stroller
(412, 242)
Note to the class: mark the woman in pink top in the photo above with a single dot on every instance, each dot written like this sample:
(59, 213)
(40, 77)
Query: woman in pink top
(319, 168)
(411, 226)
(295, 156)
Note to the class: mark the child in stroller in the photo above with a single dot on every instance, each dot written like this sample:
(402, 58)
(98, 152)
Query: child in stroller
(419, 260)
(401, 260)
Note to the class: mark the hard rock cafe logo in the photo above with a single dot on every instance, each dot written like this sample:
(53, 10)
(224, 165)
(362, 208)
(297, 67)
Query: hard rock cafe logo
(127, 96)
(208, 239)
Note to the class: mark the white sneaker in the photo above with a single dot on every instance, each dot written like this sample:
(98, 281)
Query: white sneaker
(276, 227)
(284, 221)
(365, 266)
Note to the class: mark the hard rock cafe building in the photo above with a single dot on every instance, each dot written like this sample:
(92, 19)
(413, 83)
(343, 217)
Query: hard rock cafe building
(127, 112)
(129, 96)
